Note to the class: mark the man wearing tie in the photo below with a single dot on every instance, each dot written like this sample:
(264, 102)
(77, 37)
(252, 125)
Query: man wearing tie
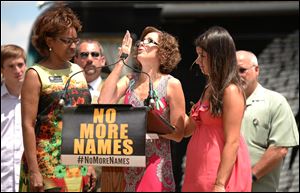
(90, 52)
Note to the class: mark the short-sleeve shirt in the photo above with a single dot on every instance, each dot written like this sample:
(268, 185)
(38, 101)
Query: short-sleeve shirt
(268, 121)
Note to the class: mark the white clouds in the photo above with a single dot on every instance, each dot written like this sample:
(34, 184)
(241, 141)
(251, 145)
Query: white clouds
(17, 33)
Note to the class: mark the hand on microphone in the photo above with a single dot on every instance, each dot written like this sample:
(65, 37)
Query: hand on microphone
(125, 49)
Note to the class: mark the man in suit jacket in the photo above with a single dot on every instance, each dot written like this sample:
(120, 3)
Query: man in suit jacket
(90, 52)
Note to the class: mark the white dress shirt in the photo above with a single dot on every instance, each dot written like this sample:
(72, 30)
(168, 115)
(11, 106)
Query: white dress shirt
(11, 141)
(94, 87)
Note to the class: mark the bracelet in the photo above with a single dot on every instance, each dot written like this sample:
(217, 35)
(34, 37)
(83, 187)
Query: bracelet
(254, 178)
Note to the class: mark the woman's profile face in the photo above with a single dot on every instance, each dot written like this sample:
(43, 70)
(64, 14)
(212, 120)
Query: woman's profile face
(64, 45)
(202, 60)
(148, 46)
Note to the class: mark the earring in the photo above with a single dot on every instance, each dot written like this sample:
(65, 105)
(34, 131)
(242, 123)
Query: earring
(50, 49)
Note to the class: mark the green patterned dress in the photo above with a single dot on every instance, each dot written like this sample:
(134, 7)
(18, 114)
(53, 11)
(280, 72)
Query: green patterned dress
(48, 130)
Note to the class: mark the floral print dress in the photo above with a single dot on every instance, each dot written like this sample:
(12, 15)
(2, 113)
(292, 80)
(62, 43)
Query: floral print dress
(48, 130)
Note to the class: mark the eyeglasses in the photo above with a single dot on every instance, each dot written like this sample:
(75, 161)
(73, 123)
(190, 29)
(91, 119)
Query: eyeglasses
(146, 42)
(243, 70)
(69, 41)
(85, 55)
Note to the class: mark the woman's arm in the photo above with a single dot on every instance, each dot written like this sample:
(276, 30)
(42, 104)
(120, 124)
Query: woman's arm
(176, 100)
(233, 110)
(113, 88)
(29, 106)
(189, 126)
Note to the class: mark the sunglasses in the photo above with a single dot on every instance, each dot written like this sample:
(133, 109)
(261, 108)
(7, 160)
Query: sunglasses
(145, 42)
(69, 41)
(243, 70)
(85, 55)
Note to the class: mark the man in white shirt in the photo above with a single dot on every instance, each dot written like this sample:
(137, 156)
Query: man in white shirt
(13, 70)
(90, 52)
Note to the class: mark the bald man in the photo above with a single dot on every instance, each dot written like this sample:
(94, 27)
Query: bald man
(268, 126)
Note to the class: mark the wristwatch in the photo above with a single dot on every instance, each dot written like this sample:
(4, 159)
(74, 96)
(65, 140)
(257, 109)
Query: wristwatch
(254, 178)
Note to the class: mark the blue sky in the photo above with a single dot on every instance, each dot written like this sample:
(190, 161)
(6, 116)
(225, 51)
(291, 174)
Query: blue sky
(17, 18)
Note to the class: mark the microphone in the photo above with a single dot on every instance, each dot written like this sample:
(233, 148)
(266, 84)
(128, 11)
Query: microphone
(63, 96)
(91, 69)
(88, 69)
(150, 100)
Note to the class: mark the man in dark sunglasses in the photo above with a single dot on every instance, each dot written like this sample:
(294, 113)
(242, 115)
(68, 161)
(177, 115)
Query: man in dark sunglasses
(268, 126)
(90, 52)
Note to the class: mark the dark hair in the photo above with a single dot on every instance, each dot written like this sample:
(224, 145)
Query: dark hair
(220, 47)
(53, 22)
(11, 51)
(168, 50)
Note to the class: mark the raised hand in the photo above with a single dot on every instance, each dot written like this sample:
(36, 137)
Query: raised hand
(126, 44)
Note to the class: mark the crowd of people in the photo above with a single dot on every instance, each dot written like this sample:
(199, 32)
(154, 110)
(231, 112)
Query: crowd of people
(239, 131)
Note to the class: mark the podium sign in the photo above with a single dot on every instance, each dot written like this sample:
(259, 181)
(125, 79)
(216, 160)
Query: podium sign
(104, 135)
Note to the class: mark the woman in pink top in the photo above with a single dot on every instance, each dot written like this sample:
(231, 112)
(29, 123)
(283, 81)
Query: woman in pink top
(217, 158)
(156, 54)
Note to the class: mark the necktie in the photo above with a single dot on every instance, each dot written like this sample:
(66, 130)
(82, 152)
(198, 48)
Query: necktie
(90, 87)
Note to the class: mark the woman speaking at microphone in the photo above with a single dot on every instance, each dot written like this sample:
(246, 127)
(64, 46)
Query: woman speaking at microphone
(55, 38)
(156, 55)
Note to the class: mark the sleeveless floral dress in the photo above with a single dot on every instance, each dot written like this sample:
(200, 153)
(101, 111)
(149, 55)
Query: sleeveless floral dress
(48, 130)
(157, 176)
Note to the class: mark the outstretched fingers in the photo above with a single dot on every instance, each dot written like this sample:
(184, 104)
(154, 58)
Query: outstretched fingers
(126, 43)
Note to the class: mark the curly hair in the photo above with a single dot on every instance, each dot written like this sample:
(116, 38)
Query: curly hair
(168, 50)
(53, 22)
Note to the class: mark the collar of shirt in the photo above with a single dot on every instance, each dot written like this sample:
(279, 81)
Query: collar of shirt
(95, 83)
(257, 95)
(4, 92)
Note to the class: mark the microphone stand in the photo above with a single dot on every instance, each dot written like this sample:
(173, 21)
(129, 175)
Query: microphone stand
(86, 70)
(150, 100)
(63, 96)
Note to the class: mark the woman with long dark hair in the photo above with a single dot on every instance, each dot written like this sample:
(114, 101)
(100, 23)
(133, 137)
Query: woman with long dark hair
(217, 158)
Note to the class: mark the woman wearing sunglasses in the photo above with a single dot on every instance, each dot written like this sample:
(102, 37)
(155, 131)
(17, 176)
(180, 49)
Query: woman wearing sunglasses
(156, 54)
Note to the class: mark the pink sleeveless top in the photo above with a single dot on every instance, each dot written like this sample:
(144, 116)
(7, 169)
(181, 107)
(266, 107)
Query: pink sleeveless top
(203, 155)
(157, 176)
